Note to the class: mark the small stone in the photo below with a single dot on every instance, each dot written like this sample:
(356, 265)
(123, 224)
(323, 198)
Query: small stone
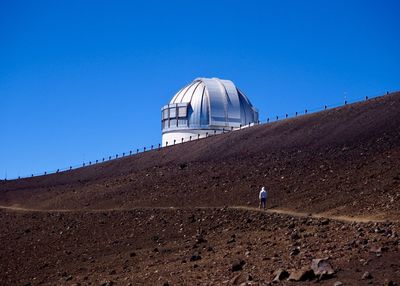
(195, 257)
(295, 252)
(295, 236)
(238, 265)
(375, 249)
(388, 282)
(241, 278)
(325, 222)
(338, 283)
(68, 278)
(280, 274)
(231, 240)
(183, 166)
(366, 275)
(303, 274)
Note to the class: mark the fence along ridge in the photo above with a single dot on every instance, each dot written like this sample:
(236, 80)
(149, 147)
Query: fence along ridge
(158, 146)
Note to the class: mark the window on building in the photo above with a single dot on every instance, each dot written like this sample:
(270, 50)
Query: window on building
(182, 111)
(165, 113)
(182, 122)
(173, 122)
(165, 123)
(172, 112)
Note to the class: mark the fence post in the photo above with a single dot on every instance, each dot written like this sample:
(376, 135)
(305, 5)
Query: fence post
(198, 136)
(144, 149)
(123, 154)
(83, 165)
(166, 143)
(325, 107)
(90, 162)
(305, 111)
(277, 117)
(190, 138)
(182, 140)
(137, 151)
(206, 134)
(116, 156)
(366, 98)
(174, 141)
(296, 113)
(286, 115)
(159, 145)
(268, 120)
(32, 175)
(70, 167)
(97, 161)
(45, 173)
(151, 147)
(231, 128)
(109, 158)
(345, 102)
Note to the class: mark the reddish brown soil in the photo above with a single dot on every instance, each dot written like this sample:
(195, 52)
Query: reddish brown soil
(341, 163)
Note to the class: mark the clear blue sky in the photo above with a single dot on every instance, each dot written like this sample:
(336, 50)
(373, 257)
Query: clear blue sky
(80, 80)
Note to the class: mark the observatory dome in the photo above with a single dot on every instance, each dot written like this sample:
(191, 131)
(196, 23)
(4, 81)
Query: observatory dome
(207, 106)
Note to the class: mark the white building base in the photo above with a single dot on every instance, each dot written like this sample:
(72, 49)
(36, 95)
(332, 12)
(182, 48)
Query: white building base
(182, 136)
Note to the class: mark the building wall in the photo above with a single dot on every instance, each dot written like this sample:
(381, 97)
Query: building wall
(195, 134)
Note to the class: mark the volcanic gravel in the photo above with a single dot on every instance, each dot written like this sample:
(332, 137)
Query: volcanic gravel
(168, 216)
(188, 247)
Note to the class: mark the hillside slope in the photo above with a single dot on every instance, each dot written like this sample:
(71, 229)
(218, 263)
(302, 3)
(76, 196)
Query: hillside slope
(332, 177)
(342, 161)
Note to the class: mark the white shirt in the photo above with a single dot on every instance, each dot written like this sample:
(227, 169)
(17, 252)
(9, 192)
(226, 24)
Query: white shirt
(263, 194)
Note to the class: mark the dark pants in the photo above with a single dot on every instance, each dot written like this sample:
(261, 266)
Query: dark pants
(263, 203)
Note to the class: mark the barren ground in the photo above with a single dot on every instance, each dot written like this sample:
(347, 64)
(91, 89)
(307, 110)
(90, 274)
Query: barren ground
(185, 215)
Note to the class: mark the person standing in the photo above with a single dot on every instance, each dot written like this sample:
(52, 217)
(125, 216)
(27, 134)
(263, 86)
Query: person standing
(263, 198)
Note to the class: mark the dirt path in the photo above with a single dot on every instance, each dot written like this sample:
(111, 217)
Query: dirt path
(343, 218)
(326, 215)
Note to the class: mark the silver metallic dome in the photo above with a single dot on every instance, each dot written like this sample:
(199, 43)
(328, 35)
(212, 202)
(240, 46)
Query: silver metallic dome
(206, 104)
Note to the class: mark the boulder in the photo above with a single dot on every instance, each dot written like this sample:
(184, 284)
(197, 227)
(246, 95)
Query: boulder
(302, 274)
(322, 268)
(280, 274)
